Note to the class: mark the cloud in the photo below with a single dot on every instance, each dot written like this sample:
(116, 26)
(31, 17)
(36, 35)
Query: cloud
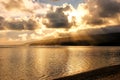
(20, 7)
(22, 25)
(12, 4)
(57, 18)
(29, 24)
(101, 11)
(16, 5)
(20, 14)
(2, 20)
(14, 13)
(105, 8)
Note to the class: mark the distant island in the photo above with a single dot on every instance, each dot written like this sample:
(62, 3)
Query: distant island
(106, 36)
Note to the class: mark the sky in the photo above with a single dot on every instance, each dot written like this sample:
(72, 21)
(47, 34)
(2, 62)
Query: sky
(60, 2)
(49, 20)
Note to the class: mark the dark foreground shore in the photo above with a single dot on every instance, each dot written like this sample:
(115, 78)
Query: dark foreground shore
(106, 73)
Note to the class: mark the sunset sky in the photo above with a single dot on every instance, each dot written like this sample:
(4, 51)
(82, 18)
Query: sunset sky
(46, 21)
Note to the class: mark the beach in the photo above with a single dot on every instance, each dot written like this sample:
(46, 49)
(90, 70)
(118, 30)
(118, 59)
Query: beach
(106, 73)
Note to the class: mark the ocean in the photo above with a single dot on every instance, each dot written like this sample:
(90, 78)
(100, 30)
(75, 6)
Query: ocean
(50, 62)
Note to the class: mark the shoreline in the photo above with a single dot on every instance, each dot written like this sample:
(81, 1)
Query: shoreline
(106, 73)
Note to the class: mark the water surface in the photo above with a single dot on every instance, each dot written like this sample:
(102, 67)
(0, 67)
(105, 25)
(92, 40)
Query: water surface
(49, 62)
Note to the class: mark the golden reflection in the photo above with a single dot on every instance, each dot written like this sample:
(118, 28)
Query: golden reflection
(53, 62)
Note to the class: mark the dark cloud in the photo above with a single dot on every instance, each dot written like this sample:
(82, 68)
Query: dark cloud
(18, 24)
(94, 21)
(58, 19)
(2, 20)
(15, 25)
(31, 25)
(22, 25)
(102, 9)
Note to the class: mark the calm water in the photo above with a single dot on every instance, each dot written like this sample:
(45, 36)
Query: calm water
(46, 63)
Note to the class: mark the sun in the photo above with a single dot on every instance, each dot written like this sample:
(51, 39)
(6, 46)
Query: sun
(75, 16)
